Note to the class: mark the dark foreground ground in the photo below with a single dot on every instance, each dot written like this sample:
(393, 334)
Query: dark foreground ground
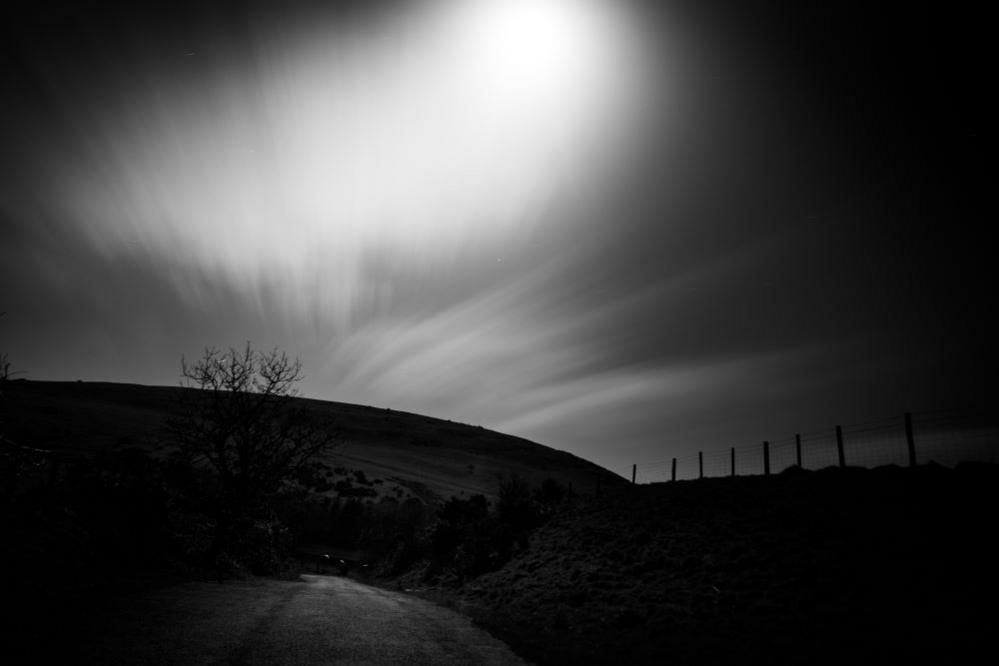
(841, 566)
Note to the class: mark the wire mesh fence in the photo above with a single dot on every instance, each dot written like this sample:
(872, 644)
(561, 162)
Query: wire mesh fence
(942, 437)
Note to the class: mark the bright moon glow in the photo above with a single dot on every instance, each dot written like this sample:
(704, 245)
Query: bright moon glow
(533, 47)
(455, 130)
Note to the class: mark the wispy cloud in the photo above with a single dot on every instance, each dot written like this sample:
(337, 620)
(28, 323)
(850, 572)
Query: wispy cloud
(281, 164)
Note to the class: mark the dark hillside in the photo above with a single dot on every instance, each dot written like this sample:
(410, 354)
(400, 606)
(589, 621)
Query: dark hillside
(837, 566)
(420, 455)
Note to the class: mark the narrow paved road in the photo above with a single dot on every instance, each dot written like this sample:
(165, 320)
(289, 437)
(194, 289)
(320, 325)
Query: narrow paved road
(318, 620)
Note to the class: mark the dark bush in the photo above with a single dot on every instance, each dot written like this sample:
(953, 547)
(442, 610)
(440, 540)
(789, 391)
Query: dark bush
(458, 521)
(469, 540)
(313, 477)
(103, 519)
(551, 493)
(260, 544)
(517, 509)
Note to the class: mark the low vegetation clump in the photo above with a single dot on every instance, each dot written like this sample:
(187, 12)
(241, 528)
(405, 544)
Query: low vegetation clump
(470, 539)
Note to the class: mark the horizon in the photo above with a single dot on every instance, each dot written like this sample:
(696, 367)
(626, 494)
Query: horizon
(629, 231)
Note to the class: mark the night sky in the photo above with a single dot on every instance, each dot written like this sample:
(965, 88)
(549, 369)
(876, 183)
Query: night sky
(629, 230)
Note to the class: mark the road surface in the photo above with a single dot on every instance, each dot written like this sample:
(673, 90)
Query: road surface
(317, 620)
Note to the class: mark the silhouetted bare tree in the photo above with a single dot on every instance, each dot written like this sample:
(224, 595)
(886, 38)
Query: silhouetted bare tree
(243, 420)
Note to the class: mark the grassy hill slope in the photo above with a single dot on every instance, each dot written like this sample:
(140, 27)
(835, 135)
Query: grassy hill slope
(399, 453)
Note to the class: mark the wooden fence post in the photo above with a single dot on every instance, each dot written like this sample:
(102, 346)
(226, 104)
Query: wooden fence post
(673, 478)
(700, 464)
(797, 449)
(766, 458)
(634, 470)
(839, 446)
(910, 440)
(733, 461)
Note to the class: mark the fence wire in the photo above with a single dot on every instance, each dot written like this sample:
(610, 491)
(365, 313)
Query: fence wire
(945, 437)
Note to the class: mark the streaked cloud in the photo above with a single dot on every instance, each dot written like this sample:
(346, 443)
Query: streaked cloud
(279, 165)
